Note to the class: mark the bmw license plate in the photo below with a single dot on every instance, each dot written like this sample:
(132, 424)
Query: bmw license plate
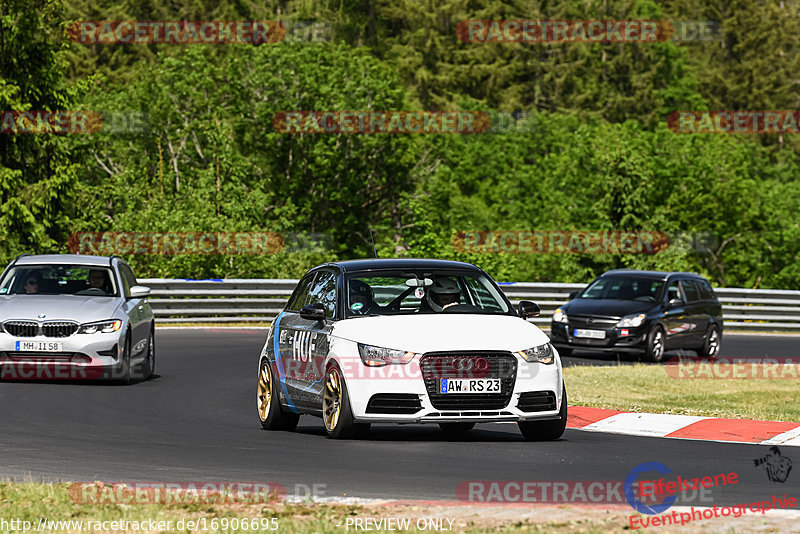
(469, 385)
(40, 346)
(593, 334)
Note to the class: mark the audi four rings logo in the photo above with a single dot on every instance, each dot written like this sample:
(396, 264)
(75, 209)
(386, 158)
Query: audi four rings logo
(472, 364)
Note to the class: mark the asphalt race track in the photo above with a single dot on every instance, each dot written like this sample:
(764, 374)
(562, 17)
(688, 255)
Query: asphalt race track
(196, 421)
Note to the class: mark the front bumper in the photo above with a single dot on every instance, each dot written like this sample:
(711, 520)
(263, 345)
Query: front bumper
(635, 341)
(532, 392)
(82, 357)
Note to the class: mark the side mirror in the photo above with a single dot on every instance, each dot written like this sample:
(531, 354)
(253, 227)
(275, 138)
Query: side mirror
(673, 302)
(140, 292)
(313, 312)
(572, 294)
(528, 309)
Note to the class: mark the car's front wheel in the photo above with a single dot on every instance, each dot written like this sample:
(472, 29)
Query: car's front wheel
(148, 366)
(336, 412)
(654, 350)
(270, 412)
(711, 343)
(126, 377)
(546, 430)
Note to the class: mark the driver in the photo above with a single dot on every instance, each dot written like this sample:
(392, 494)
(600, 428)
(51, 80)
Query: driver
(98, 279)
(443, 294)
(362, 298)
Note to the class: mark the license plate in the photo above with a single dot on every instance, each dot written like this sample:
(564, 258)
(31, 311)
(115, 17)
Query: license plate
(469, 385)
(40, 346)
(594, 334)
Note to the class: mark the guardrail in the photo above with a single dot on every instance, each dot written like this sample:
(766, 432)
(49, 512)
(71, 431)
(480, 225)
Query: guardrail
(257, 300)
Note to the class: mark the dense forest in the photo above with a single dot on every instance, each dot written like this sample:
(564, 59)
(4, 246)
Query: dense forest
(581, 140)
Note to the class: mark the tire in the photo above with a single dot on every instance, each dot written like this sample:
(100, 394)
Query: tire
(337, 415)
(148, 366)
(270, 412)
(654, 351)
(456, 428)
(711, 343)
(126, 377)
(546, 430)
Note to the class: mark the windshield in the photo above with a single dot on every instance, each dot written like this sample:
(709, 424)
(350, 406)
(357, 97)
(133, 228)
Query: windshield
(617, 288)
(404, 293)
(59, 280)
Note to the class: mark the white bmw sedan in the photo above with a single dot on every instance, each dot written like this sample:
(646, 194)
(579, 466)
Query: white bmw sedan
(408, 341)
(74, 317)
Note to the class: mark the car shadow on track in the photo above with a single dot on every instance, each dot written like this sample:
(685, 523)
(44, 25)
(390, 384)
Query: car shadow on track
(76, 382)
(487, 433)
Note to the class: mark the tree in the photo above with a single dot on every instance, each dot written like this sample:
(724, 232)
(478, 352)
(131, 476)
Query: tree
(37, 177)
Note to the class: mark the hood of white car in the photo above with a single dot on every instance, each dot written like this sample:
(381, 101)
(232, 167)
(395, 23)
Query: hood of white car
(82, 309)
(442, 332)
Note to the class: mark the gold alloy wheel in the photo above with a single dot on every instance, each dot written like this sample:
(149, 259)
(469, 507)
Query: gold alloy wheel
(264, 391)
(332, 399)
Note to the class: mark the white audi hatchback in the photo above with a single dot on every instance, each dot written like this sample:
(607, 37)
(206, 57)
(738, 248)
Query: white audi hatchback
(408, 341)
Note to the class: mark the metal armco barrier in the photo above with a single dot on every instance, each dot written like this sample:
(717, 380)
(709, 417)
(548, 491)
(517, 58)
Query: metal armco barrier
(257, 300)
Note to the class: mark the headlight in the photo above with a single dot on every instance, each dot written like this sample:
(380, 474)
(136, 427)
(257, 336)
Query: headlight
(541, 354)
(559, 316)
(379, 356)
(101, 326)
(631, 321)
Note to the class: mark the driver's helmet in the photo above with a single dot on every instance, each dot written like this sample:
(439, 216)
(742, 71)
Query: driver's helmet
(442, 285)
(361, 296)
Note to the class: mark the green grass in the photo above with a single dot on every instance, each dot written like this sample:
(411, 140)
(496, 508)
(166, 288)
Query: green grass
(33, 501)
(649, 388)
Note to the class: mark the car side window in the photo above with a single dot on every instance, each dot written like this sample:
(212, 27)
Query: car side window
(483, 298)
(323, 291)
(126, 284)
(690, 290)
(300, 295)
(706, 293)
(674, 292)
(128, 280)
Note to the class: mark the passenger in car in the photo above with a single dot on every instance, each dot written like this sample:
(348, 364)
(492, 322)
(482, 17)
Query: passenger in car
(32, 282)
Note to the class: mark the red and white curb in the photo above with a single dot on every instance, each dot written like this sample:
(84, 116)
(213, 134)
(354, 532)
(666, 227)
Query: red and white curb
(684, 426)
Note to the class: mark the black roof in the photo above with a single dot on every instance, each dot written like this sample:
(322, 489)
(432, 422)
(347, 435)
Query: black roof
(661, 275)
(400, 263)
